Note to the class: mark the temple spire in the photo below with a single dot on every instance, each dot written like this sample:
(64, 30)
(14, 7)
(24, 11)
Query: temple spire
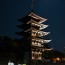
(32, 5)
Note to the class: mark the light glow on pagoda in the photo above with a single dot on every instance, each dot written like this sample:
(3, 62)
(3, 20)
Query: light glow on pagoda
(36, 32)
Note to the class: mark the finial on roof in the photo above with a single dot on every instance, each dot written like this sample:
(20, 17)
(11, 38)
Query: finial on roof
(32, 5)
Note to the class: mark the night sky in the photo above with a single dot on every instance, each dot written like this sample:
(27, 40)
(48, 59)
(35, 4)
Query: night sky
(53, 10)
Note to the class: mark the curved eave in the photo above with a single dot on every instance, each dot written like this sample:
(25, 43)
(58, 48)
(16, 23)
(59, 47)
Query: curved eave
(41, 40)
(41, 26)
(35, 16)
(36, 46)
(32, 16)
(41, 19)
(40, 33)
(48, 49)
(42, 48)
(45, 26)
(25, 19)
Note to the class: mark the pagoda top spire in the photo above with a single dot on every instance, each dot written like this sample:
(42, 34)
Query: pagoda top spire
(32, 5)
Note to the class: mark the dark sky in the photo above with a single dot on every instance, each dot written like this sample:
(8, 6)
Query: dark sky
(53, 10)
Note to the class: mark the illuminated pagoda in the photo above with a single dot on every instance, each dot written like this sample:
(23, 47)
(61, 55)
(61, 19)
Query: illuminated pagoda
(33, 32)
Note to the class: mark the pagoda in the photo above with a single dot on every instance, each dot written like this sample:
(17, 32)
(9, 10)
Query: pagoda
(33, 35)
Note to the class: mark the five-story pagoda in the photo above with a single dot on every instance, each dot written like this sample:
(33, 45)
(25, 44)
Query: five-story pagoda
(33, 32)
